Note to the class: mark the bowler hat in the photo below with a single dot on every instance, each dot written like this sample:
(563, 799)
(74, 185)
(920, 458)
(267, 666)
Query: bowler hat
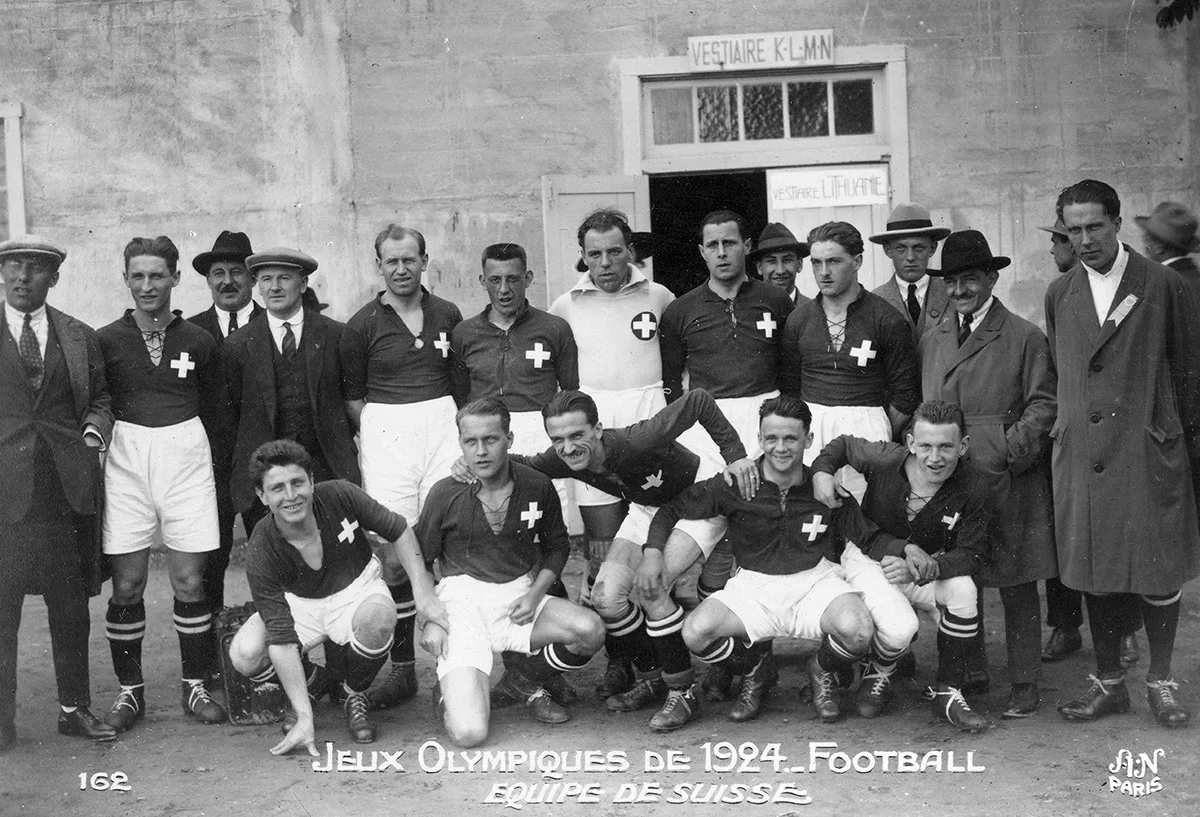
(968, 250)
(32, 245)
(1172, 223)
(229, 246)
(282, 257)
(1059, 229)
(909, 221)
(776, 238)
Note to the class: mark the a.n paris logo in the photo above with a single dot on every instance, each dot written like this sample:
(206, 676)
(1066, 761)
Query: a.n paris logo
(1135, 776)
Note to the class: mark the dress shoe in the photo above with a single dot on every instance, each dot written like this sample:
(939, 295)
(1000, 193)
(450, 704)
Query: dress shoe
(976, 682)
(561, 690)
(645, 692)
(83, 724)
(1062, 642)
(681, 708)
(949, 704)
(875, 691)
(718, 682)
(200, 705)
(618, 678)
(8, 736)
(825, 693)
(755, 686)
(361, 728)
(400, 685)
(1109, 697)
(128, 709)
(1023, 700)
(1130, 654)
(1167, 711)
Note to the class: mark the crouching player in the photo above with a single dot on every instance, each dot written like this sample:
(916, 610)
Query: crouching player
(934, 507)
(313, 577)
(787, 545)
(500, 543)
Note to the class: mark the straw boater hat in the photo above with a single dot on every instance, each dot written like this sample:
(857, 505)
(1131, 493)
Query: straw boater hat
(968, 250)
(1059, 229)
(776, 238)
(32, 245)
(1173, 224)
(907, 221)
(229, 246)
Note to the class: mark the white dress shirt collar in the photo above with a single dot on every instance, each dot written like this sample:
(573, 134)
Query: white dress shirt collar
(277, 330)
(37, 320)
(243, 317)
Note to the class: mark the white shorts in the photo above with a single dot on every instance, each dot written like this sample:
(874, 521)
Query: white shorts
(159, 477)
(333, 616)
(617, 409)
(479, 622)
(636, 528)
(783, 606)
(742, 414)
(829, 422)
(529, 438)
(405, 449)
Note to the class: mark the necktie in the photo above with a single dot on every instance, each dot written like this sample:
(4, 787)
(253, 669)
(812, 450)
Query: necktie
(289, 340)
(964, 330)
(233, 324)
(914, 306)
(31, 354)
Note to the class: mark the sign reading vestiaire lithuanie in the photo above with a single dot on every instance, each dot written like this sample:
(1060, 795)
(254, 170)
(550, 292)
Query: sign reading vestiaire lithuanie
(778, 49)
(796, 188)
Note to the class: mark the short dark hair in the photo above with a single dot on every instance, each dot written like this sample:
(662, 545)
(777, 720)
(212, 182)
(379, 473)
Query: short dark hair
(723, 217)
(1090, 191)
(162, 247)
(506, 251)
(783, 406)
(275, 453)
(395, 232)
(839, 232)
(940, 413)
(485, 407)
(603, 220)
(571, 400)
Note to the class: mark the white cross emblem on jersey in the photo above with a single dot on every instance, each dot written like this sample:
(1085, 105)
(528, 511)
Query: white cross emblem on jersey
(644, 325)
(864, 352)
(653, 481)
(443, 344)
(950, 521)
(767, 325)
(814, 528)
(538, 355)
(183, 364)
(349, 526)
(531, 516)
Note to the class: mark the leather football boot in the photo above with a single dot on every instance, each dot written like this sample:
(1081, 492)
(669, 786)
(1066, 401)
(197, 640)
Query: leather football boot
(561, 690)
(1109, 697)
(514, 684)
(825, 692)
(718, 682)
(127, 709)
(1167, 711)
(400, 685)
(361, 728)
(755, 686)
(950, 705)
(199, 704)
(681, 708)
(645, 692)
(875, 691)
(618, 678)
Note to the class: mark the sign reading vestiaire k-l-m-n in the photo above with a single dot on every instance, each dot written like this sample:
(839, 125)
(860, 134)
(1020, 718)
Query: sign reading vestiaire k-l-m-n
(794, 188)
(778, 49)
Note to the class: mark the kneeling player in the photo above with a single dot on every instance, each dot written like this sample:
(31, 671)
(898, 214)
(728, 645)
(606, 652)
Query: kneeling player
(500, 544)
(787, 545)
(313, 577)
(935, 509)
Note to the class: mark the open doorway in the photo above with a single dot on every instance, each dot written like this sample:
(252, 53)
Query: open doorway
(679, 202)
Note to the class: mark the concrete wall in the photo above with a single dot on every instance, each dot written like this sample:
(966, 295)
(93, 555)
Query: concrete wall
(315, 123)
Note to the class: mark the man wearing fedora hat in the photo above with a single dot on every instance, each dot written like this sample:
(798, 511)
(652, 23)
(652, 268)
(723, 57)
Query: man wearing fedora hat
(1170, 237)
(231, 284)
(778, 257)
(1060, 246)
(910, 240)
(996, 367)
(55, 412)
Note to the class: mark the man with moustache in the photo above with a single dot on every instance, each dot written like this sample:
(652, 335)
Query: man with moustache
(910, 240)
(231, 285)
(398, 382)
(778, 257)
(55, 418)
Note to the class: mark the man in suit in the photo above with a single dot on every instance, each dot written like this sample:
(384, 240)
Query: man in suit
(55, 415)
(910, 240)
(231, 284)
(1125, 513)
(778, 256)
(996, 367)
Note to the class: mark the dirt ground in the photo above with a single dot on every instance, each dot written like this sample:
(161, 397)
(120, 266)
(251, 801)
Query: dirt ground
(785, 763)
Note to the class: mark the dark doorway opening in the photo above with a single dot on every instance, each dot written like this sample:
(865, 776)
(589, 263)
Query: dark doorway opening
(678, 203)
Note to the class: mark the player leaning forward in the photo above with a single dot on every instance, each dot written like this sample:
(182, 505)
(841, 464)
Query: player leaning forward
(499, 544)
(313, 577)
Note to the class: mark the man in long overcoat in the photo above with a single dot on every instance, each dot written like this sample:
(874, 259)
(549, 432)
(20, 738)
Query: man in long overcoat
(996, 367)
(1125, 518)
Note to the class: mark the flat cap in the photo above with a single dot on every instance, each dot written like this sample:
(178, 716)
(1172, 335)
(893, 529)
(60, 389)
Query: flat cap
(32, 245)
(282, 257)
